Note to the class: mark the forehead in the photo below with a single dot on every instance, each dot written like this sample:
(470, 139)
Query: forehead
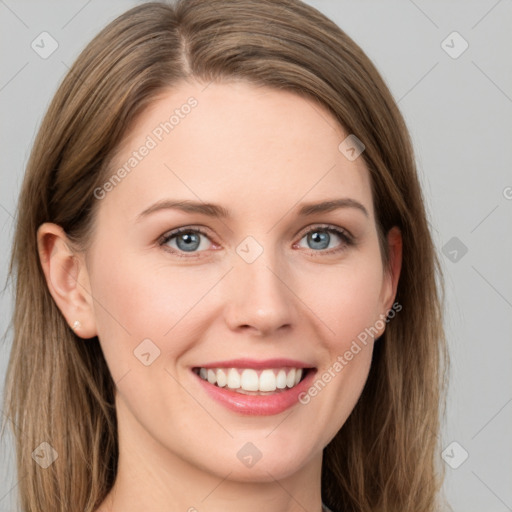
(252, 147)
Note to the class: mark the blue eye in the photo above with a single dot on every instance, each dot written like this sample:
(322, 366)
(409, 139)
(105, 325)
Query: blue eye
(320, 237)
(189, 240)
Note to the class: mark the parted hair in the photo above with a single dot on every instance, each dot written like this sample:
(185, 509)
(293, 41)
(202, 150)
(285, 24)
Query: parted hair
(386, 457)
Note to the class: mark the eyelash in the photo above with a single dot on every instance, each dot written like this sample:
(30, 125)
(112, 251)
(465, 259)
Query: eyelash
(346, 238)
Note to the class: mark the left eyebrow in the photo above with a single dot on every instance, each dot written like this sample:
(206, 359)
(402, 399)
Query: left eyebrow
(329, 206)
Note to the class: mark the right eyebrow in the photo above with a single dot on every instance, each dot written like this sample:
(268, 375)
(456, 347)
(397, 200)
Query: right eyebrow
(209, 209)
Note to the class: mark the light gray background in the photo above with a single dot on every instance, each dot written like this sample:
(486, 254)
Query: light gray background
(459, 112)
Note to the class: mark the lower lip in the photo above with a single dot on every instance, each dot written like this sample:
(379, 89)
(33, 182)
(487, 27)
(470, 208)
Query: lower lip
(258, 405)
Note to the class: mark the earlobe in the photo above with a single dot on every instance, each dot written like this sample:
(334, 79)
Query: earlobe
(67, 279)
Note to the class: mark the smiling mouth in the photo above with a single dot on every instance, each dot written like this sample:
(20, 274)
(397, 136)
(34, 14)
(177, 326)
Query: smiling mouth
(250, 381)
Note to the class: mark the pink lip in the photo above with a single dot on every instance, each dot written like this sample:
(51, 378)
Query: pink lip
(257, 365)
(257, 405)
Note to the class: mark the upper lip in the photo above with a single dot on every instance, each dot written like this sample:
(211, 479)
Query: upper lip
(257, 364)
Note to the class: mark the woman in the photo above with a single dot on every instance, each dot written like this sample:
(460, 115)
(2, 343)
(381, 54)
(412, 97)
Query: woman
(225, 276)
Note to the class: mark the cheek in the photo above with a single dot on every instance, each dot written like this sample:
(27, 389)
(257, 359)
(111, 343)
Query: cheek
(347, 301)
(137, 299)
(346, 298)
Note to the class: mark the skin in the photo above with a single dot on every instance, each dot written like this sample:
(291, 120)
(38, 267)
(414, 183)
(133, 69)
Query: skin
(260, 153)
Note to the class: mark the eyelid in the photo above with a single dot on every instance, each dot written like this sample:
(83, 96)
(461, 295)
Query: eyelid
(168, 235)
(184, 229)
(345, 235)
(327, 227)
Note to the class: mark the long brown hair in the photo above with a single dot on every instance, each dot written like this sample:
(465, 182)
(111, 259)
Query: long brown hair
(385, 458)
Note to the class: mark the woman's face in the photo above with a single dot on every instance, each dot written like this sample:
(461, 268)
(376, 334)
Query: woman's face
(243, 284)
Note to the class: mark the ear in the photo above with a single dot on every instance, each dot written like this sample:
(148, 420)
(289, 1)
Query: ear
(394, 239)
(67, 279)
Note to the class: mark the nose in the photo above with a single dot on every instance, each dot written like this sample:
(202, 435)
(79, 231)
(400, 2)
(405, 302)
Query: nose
(259, 297)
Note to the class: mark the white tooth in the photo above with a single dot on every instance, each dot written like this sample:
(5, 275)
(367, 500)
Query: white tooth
(212, 379)
(221, 378)
(281, 379)
(290, 378)
(249, 380)
(267, 380)
(233, 379)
